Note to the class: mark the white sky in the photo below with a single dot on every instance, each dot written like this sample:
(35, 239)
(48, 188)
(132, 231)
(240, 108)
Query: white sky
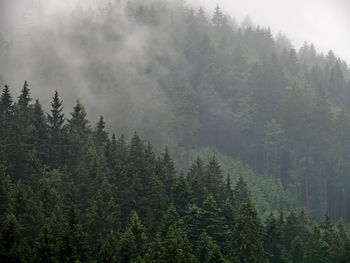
(326, 23)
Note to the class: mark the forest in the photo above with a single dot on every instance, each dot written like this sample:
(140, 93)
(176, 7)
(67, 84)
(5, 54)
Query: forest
(219, 141)
(72, 193)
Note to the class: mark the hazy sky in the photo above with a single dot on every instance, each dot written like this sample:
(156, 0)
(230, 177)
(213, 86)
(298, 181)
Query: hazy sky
(326, 23)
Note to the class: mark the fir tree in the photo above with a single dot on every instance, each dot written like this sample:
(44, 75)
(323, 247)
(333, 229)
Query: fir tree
(100, 135)
(55, 122)
(6, 103)
(247, 242)
(215, 256)
(46, 249)
(73, 244)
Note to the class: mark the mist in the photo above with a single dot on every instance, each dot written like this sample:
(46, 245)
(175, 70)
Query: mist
(93, 52)
(86, 54)
(324, 23)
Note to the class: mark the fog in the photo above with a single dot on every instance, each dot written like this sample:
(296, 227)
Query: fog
(114, 66)
(325, 23)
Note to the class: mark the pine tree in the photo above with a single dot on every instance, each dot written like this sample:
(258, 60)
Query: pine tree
(197, 182)
(73, 244)
(171, 217)
(247, 242)
(215, 256)
(11, 249)
(46, 246)
(78, 133)
(6, 103)
(55, 122)
(24, 99)
(193, 223)
(273, 240)
(19, 147)
(78, 122)
(40, 136)
(133, 243)
(100, 134)
(182, 193)
(204, 246)
(218, 16)
(176, 247)
(56, 118)
(167, 171)
(212, 221)
(214, 178)
(240, 193)
(106, 254)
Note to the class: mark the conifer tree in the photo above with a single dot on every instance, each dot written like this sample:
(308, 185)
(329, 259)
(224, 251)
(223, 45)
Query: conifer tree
(247, 242)
(182, 194)
(196, 180)
(215, 255)
(73, 244)
(40, 136)
(24, 99)
(171, 217)
(176, 247)
(100, 134)
(214, 178)
(133, 244)
(217, 16)
(46, 249)
(273, 240)
(6, 103)
(106, 253)
(204, 246)
(192, 222)
(240, 193)
(56, 118)
(167, 171)
(212, 221)
(11, 249)
(78, 133)
(55, 122)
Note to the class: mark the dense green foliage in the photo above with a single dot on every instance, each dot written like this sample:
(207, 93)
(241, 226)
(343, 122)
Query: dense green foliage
(102, 199)
(187, 79)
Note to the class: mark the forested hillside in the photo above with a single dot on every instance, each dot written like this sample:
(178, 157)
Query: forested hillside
(72, 193)
(276, 118)
(189, 79)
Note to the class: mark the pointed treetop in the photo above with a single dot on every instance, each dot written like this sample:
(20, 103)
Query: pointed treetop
(101, 136)
(6, 100)
(56, 118)
(78, 120)
(24, 98)
(218, 16)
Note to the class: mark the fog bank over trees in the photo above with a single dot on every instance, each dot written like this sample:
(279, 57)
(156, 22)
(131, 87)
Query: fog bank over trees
(197, 81)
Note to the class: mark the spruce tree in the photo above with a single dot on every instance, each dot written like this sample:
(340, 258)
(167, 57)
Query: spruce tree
(11, 247)
(55, 122)
(247, 236)
(204, 247)
(46, 249)
(215, 256)
(73, 242)
(106, 253)
(217, 16)
(40, 137)
(133, 244)
(6, 103)
(240, 193)
(176, 247)
(212, 221)
(100, 134)
(214, 178)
